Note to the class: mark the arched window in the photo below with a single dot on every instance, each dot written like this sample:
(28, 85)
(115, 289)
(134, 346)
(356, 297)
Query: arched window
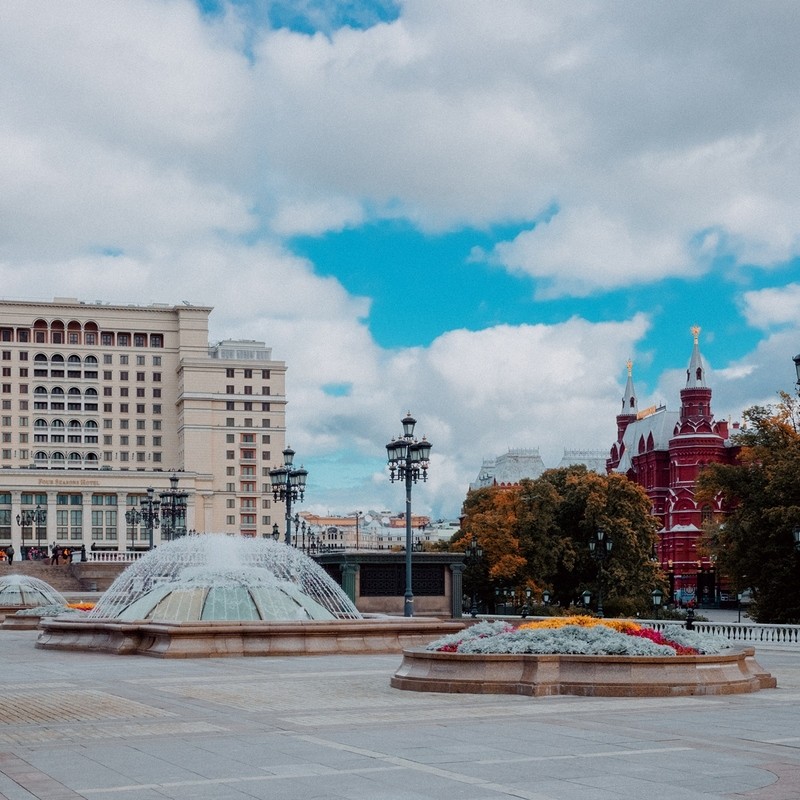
(40, 390)
(74, 425)
(91, 392)
(40, 423)
(40, 455)
(74, 361)
(40, 333)
(92, 462)
(90, 361)
(57, 423)
(74, 461)
(73, 392)
(40, 358)
(57, 390)
(57, 359)
(90, 423)
(57, 460)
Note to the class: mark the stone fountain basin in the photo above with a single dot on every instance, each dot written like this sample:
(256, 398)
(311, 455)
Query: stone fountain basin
(249, 638)
(734, 672)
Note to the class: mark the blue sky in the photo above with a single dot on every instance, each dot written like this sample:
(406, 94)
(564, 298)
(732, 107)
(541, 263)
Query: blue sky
(474, 211)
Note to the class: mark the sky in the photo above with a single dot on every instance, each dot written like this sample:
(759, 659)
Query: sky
(476, 212)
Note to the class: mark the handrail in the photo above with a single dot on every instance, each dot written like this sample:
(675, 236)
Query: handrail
(115, 556)
(754, 633)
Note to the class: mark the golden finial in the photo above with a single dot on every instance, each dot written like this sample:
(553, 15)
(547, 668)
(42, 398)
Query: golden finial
(696, 333)
(629, 365)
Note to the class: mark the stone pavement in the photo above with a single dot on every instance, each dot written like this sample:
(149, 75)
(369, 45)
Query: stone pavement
(103, 727)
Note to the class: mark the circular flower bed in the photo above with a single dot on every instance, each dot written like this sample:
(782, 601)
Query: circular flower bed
(578, 635)
(581, 656)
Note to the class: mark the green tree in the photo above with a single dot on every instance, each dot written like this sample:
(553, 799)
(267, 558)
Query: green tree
(753, 543)
(536, 535)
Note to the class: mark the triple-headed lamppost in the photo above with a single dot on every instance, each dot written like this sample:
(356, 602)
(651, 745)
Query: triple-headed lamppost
(288, 484)
(600, 548)
(173, 511)
(408, 461)
(33, 517)
(150, 514)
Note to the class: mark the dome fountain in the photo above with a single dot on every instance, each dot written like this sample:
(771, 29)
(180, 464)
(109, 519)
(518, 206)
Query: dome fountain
(215, 595)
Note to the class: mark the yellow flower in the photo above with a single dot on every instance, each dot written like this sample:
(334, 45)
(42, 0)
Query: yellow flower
(621, 625)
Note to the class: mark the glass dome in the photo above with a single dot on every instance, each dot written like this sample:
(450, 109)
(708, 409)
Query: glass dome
(219, 577)
(25, 591)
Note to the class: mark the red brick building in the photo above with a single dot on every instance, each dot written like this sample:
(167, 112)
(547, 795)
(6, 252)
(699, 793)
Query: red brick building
(664, 452)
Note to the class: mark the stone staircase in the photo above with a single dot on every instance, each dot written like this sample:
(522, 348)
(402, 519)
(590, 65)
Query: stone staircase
(75, 577)
(59, 576)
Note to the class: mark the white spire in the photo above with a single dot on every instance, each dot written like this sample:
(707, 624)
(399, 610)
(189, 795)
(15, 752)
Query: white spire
(696, 373)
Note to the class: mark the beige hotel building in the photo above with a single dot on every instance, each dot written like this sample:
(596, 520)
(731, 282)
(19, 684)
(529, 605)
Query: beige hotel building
(101, 401)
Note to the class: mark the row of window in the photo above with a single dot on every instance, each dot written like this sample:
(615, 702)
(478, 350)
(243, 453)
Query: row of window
(55, 361)
(247, 373)
(75, 333)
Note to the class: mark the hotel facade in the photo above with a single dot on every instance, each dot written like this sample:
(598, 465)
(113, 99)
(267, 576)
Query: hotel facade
(99, 402)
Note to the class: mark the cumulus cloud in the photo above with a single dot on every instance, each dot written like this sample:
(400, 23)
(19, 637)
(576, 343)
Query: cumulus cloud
(771, 307)
(144, 147)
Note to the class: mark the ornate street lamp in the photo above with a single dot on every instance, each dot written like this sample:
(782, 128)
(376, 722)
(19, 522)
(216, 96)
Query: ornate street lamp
(288, 484)
(408, 461)
(600, 548)
(300, 526)
(656, 596)
(546, 597)
(173, 511)
(149, 514)
(33, 518)
(473, 555)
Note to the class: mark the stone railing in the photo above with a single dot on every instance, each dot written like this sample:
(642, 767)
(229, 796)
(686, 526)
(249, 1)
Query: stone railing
(750, 633)
(114, 556)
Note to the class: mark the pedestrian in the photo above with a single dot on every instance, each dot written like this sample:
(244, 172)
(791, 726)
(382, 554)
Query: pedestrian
(54, 559)
(10, 554)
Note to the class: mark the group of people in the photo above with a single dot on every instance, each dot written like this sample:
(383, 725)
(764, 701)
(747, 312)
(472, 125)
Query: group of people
(58, 554)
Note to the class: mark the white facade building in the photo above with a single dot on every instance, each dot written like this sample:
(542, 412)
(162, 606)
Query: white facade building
(101, 401)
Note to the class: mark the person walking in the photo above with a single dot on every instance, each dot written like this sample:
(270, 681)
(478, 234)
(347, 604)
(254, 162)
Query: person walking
(10, 554)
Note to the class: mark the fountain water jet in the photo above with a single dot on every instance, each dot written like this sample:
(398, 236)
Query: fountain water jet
(213, 577)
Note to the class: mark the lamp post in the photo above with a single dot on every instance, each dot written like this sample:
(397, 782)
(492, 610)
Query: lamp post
(357, 515)
(288, 484)
(600, 548)
(656, 596)
(546, 597)
(33, 518)
(586, 597)
(301, 527)
(150, 515)
(408, 461)
(473, 555)
(173, 511)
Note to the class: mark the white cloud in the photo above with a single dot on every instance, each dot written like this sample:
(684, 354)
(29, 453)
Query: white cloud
(664, 135)
(767, 308)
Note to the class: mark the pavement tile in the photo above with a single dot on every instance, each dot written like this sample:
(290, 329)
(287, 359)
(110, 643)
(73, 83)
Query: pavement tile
(103, 727)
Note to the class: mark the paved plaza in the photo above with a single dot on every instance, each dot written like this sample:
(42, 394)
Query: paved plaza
(103, 727)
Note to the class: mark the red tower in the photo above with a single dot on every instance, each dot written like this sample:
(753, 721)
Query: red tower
(664, 453)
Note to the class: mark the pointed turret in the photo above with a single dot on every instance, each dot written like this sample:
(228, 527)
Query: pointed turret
(696, 373)
(629, 406)
(696, 397)
(628, 414)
